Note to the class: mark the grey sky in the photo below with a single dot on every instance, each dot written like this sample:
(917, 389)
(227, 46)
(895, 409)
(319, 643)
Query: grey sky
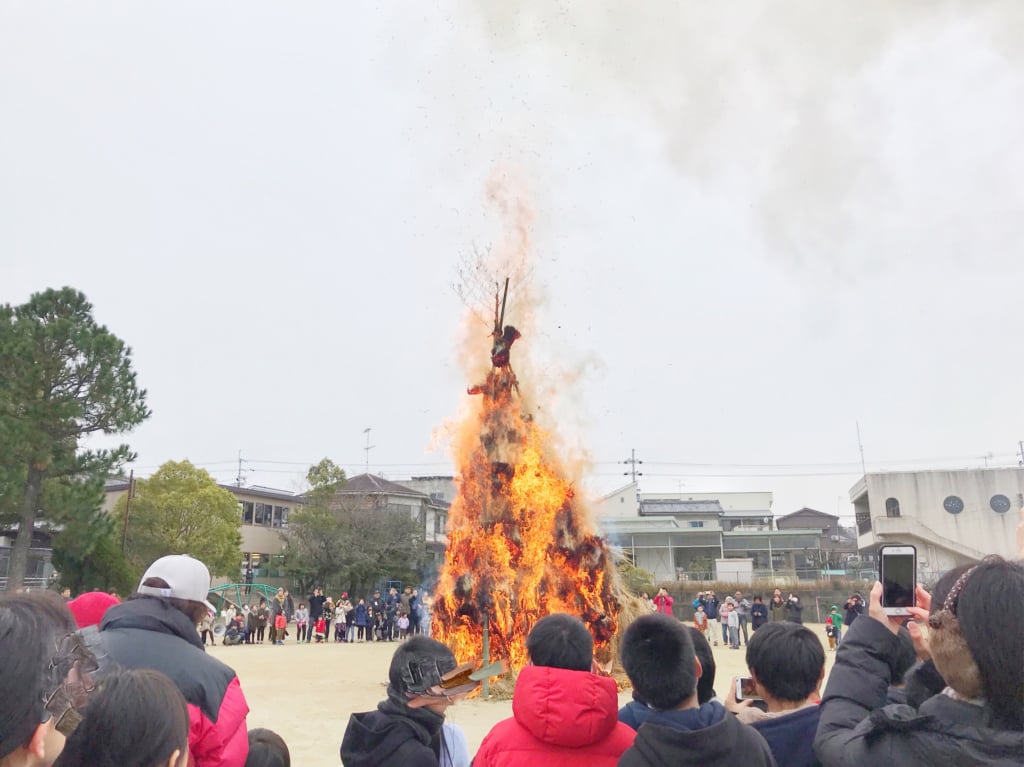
(750, 230)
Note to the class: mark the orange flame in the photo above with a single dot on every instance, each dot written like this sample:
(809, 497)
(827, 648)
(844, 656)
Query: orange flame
(519, 543)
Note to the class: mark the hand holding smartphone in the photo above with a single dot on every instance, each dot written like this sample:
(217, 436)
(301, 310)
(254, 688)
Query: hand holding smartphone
(897, 571)
(746, 689)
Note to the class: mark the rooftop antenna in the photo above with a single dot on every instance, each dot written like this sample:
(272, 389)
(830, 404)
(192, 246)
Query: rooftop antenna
(241, 471)
(863, 466)
(368, 447)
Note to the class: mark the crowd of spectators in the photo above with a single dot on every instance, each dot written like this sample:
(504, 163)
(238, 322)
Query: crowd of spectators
(94, 681)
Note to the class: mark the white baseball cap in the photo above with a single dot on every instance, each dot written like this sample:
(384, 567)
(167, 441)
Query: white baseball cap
(186, 578)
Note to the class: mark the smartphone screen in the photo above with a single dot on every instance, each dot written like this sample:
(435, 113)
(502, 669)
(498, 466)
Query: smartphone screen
(745, 689)
(898, 575)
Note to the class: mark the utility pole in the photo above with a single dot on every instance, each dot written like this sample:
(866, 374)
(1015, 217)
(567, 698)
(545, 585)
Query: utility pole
(127, 508)
(632, 462)
(368, 447)
(1021, 446)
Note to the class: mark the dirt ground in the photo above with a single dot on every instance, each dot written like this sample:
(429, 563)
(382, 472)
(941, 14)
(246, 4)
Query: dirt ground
(307, 692)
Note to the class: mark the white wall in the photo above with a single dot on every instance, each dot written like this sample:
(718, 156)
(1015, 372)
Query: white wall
(921, 495)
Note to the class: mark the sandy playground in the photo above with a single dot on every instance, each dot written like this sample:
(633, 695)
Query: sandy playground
(306, 692)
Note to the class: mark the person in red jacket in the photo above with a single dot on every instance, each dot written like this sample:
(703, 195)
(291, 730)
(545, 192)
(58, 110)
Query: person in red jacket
(156, 629)
(562, 712)
(663, 602)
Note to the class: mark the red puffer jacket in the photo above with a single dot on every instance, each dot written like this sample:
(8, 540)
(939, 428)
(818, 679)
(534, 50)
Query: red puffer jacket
(559, 717)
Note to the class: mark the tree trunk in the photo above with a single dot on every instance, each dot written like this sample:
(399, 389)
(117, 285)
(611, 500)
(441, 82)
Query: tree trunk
(18, 564)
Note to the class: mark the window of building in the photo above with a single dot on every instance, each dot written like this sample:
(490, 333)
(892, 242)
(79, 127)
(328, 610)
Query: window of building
(696, 523)
(246, 512)
(892, 507)
(280, 517)
(1000, 504)
(263, 514)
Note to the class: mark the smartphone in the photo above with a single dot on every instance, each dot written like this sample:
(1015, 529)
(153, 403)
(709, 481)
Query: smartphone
(898, 574)
(745, 689)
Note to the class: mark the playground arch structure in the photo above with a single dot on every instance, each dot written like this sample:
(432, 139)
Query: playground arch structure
(238, 594)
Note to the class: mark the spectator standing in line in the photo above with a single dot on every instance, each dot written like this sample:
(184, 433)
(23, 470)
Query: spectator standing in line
(837, 623)
(376, 617)
(280, 628)
(262, 619)
(156, 629)
(724, 611)
(743, 609)
(698, 600)
(289, 606)
(350, 619)
(328, 616)
(562, 713)
(316, 608)
(301, 622)
(758, 613)
(414, 613)
(390, 610)
(711, 606)
(663, 602)
(853, 607)
(362, 620)
(659, 658)
(276, 608)
(340, 610)
(700, 621)
(734, 625)
(794, 610)
(251, 625)
(787, 663)
(777, 608)
(206, 630)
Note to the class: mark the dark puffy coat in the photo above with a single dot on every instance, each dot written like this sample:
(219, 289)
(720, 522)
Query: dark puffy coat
(708, 736)
(559, 717)
(150, 633)
(857, 728)
(794, 611)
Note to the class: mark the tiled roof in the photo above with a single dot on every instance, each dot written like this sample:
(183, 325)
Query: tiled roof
(371, 484)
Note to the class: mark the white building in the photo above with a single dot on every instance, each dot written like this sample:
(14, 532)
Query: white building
(952, 517)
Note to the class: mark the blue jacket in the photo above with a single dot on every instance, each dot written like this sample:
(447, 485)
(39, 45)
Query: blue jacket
(791, 736)
(711, 608)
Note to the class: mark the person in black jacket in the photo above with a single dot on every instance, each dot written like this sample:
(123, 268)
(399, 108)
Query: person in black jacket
(657, 654)
(407, 728)
(794, 610)
(853, 607)
(978, 719)
(316, 609)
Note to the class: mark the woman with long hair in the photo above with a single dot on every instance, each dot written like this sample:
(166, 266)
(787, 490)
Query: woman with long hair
(977, 646)
(137, 718)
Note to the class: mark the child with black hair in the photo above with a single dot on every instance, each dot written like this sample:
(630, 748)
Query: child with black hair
(267, 749)
(137, 718)
(562, 712)
(33, 720)
(658, 656)
(408, 727)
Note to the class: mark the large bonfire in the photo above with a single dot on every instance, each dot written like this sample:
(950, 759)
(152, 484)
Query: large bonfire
(520, 545)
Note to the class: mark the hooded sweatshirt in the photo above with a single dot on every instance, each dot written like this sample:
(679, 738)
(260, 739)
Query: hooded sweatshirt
(708, 736)
(559, 717)
(393, 734)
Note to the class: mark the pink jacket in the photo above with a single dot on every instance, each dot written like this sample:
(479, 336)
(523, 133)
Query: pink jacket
(663, 602)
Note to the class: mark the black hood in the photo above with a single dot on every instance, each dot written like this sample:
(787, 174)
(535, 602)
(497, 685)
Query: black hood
(393, 734)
